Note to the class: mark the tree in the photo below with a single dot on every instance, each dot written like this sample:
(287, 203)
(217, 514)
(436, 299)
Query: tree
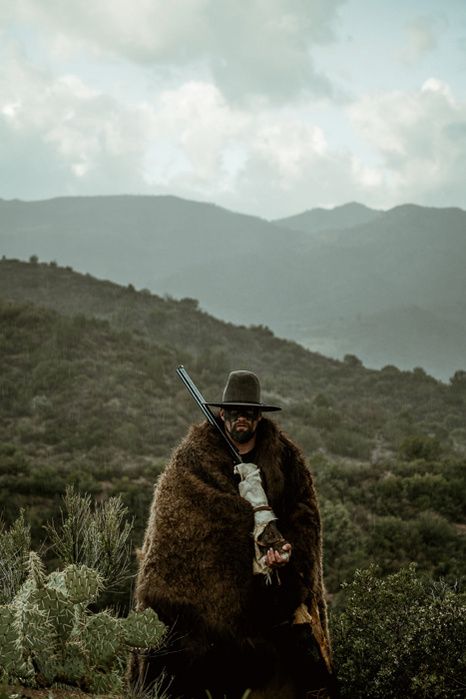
(458, 382)
(352, 360)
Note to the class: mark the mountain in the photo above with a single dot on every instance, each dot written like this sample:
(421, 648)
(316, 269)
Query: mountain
(333, 291)
(414, 336)
(346, 283)
(131, 239)
(400, 287)
(319, 220)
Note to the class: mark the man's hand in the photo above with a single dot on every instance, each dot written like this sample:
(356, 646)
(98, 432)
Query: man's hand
(276, 550)
(276, 558)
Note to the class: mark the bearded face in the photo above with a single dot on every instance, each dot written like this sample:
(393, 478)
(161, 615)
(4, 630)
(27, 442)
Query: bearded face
(241, 423)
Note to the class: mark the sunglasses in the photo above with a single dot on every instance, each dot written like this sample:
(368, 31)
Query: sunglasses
(234, 413)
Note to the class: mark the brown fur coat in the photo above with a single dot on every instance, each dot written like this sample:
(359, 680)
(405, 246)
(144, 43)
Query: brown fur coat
(196, 563)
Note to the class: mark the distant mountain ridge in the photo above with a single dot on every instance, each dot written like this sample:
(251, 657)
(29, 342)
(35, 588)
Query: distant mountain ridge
(342, 281)
(319, 220)
(137, 238)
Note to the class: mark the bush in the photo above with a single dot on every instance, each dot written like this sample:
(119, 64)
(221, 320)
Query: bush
(346, 442)
(98, 538)
(343, 543)
(420, 447)
(401, 636)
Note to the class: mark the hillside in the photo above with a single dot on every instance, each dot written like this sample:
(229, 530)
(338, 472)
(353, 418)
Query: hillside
(89, 396)
(359, 399)
(327, 285)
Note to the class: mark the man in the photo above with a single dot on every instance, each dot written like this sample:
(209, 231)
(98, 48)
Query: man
(232, 562)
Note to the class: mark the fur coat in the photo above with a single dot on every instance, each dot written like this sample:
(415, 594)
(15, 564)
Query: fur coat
(197, 556)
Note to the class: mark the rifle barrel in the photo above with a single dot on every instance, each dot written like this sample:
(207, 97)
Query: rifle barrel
(198, 398)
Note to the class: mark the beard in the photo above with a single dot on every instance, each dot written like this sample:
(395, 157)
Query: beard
(242, 427)
(241, 436)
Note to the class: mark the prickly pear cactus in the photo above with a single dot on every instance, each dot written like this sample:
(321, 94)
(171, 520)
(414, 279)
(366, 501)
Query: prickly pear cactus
(9, 650)
(58, 608)
(105, 683)
(143, 629)
(34, 630)
(47, 634)
(82, 584)
(102, 638)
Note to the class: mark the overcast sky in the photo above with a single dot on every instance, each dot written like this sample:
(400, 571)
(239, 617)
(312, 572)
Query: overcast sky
(267, 107)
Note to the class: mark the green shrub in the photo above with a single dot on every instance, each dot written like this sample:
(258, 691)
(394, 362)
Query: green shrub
(401, 636)
(98, 537)
(343, 543)
(347, 442)
(420, 447)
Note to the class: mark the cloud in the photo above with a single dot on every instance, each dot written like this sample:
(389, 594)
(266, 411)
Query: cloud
(61, 136)
(423, 34)
(191, 130)
(248, 49)
(420, 138)
(269, 162)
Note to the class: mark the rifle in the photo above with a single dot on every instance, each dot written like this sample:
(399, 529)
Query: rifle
(198, 398)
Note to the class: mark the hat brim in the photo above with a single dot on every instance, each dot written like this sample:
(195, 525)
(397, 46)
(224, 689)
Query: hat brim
(260, 406)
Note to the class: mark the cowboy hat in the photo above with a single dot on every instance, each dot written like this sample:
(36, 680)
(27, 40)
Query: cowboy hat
(243, 390)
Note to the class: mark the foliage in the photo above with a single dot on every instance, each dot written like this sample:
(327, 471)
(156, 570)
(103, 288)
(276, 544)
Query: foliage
(391, 514)
(15, 543)
(346, 442)
(394, 514)
(99, 539)
(109, 358)
(48, 634)
(420, 447)
(400, 636)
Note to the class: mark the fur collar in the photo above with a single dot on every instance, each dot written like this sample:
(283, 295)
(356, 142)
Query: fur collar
(209, 448)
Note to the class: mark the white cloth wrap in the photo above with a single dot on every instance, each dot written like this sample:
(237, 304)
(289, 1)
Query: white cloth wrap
(251, 489)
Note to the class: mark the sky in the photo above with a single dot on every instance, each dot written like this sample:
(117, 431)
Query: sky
(266, 107)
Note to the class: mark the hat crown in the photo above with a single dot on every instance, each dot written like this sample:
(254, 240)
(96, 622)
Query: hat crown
(242, 387)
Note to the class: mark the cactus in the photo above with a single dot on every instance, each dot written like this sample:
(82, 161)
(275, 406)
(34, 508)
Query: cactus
(36, 570)
(34, 630)
(83, 584)
(14, 547)
(101, 636)
(58, 608)
(143, 629)
(9, 650)
(105, 683)
(48, 635)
